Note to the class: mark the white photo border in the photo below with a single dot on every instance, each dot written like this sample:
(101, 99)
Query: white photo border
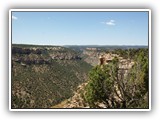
(79, 10)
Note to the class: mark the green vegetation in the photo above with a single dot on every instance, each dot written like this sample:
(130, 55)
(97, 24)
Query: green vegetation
(40, 81)
(109, 85)
(130, 53)
(44, 76)
(99, 86)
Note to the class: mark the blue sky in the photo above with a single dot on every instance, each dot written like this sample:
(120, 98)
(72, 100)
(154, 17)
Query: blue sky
(80, 28)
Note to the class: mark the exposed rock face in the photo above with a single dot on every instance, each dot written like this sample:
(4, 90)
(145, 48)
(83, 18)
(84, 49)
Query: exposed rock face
(91, 56)
(124, 64)
(44, 76)
(17, 50)
(36, 55)
(64, 56)
(77, 100)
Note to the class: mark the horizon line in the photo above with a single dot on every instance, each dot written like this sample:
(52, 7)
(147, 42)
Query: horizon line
(74, 44)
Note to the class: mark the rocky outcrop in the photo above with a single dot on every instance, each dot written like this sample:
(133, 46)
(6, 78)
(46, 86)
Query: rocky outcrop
(64, 56)
(17, 50)
(77, 101)
(43, 76)
(91, 56)
(41, 55)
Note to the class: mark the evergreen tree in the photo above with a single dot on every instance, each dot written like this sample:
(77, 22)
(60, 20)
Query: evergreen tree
(98, 87)
(109, 85)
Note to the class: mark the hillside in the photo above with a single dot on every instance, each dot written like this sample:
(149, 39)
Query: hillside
(119, 81)
(57, 77)
(91, 53)
(43, 76)
(77, 100)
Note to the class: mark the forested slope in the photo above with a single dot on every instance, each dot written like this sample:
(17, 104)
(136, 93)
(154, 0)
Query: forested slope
(43, 76)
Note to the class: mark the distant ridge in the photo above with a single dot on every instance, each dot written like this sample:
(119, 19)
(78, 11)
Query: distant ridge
(34, 45)
(84, 46)
(106, 47)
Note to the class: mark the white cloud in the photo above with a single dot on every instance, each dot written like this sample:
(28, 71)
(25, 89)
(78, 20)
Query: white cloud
(14, 17)
(111, 22)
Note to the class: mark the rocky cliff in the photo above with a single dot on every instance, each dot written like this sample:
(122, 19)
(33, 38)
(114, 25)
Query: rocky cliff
(77, 100)
(43, 76)
(37, 55)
